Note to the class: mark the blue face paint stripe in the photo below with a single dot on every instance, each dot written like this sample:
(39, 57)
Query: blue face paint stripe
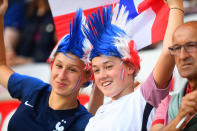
(122, 74)
(69, 56)
(78, 81)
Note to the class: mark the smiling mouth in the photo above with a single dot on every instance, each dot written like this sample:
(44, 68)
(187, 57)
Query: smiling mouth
(106, 84)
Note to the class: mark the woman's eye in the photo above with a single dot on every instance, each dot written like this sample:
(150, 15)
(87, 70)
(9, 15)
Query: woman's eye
(96, 71)
(59, 66)
(109, 67)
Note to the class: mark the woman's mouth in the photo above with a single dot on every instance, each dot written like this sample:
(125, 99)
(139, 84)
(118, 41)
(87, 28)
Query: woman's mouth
(105, 84)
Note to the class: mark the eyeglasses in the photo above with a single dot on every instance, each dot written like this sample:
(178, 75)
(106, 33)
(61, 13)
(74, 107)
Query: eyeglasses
(189, 48)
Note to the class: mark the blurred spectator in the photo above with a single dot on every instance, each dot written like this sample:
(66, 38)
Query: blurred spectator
(38, 38)
(190, 6)
(14, 24)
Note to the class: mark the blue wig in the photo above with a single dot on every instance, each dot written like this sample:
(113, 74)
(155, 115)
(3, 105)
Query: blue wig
(102, 34)
(75, 42)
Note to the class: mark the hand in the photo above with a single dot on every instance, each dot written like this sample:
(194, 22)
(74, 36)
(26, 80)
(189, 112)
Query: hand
(188, 105)
(3, 7)
(174, 3)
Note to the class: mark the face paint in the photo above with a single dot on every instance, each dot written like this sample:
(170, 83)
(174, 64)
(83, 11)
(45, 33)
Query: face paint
(69, 57)
(104, 57)
(94, 85)
(77, 84)
(122, 74)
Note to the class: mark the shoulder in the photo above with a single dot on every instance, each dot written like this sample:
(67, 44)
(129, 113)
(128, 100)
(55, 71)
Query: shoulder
(165, 102)
(22, 86)
(16, 78)
(82, 118)
(83, 111)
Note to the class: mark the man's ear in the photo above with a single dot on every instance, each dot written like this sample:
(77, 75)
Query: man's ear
(87, 80)
(87, 76)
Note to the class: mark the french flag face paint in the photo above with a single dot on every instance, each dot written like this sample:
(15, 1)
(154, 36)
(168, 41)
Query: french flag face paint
(77, 84)
(122, 75)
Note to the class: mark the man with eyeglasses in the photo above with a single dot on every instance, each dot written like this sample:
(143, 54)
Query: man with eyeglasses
(178, 111)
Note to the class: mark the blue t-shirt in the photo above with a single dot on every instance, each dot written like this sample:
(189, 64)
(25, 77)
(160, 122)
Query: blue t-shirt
(34, 113)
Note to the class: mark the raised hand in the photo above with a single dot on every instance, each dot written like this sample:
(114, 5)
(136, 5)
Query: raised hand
(174, 3)
(3, 6)
(188, 105)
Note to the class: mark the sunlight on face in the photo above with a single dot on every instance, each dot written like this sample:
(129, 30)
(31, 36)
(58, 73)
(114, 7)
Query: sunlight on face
(67, 74)
(108, 73)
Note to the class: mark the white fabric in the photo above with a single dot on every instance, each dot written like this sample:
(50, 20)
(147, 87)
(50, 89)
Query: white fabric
(124, 114)
(60, 7)
(141, 30)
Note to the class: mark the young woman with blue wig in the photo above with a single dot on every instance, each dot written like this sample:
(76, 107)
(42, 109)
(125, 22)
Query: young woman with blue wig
(54, 106)
(115, 63)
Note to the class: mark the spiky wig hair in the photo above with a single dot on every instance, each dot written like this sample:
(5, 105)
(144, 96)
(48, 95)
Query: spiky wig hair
(75, 42)
(108, 33)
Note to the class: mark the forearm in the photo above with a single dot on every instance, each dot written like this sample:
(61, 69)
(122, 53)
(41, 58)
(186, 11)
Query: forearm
(2, 44)
(96, 100)
(5, 71)
(172, 125)
(165, 64)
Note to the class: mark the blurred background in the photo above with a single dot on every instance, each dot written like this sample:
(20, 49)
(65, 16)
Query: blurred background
(30, 37)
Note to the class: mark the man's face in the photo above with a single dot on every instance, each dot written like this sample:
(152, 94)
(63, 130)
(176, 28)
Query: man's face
(186, 61)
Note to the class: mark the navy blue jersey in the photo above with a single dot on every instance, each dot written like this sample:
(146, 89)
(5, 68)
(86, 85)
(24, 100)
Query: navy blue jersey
(34, 113)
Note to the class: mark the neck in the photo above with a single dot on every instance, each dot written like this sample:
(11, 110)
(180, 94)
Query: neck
(58, 102)
(124, 92)
(193, 84)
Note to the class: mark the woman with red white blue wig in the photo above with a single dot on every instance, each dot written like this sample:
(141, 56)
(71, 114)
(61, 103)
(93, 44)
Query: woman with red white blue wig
(115, 63)
(54, 106)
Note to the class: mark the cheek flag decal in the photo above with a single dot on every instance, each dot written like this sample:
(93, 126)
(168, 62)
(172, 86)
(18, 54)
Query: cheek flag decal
(149, 17)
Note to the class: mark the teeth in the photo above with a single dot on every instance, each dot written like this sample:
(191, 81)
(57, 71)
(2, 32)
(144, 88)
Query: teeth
(106, 83)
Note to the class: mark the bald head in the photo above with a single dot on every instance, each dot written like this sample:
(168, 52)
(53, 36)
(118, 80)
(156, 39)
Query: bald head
(188, 29)
(186, 60)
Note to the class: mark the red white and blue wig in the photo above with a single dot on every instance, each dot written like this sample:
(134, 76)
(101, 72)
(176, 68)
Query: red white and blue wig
(108, 33)
(75, 42)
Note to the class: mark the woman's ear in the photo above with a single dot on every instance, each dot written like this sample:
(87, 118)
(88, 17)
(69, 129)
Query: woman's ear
(131, 69)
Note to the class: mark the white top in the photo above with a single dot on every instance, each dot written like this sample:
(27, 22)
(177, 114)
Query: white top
(126, 113)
